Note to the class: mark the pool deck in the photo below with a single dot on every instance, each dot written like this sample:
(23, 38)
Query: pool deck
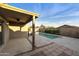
(62, 46)
(55, 47)
(68, 42)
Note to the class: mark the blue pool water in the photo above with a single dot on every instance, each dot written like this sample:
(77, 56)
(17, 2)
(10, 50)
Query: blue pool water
(51, 36)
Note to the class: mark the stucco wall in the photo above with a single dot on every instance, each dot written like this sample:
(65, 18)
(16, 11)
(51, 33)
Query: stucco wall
(18, 34)
(71, 32)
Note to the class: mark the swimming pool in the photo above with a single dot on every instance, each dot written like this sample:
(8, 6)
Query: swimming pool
(51, 36)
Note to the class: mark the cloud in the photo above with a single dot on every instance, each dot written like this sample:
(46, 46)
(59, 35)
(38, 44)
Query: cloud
(73, 22)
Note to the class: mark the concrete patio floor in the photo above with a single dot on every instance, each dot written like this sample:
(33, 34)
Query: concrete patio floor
(16, 46)
(62, 46)
(52, 47)
(40, 40)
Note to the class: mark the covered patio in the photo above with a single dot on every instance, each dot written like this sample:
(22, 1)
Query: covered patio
(12, 16)
(20, 43)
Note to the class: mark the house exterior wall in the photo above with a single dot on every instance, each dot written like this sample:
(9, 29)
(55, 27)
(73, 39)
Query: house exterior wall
(71, 32)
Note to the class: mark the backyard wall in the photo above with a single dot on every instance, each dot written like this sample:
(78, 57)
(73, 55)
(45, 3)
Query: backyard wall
(18, 34)
(69, 31)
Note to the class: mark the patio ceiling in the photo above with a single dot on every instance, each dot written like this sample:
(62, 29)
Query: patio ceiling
(16, 16)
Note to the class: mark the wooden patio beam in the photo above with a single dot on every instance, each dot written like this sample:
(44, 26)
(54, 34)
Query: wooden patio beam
(33, 33)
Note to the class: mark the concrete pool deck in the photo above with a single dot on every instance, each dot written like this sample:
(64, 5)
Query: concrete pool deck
(48, 47)
(68, 42)
(62, 46)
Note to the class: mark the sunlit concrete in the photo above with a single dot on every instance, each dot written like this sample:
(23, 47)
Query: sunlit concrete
(16, 46)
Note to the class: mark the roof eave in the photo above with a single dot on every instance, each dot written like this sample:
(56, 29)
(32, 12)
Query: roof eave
(6, 6)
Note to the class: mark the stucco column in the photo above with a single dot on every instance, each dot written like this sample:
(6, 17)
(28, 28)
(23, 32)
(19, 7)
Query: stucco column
(33, 33)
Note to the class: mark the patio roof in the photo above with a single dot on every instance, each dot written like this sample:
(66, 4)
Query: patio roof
(16, 16)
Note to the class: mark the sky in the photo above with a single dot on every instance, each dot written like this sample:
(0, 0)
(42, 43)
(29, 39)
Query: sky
(53, 14)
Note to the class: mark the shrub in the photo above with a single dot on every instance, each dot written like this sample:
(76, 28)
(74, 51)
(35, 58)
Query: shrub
(52, 31)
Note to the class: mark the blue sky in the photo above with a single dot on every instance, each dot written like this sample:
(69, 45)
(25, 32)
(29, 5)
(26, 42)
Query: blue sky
(53, 14)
